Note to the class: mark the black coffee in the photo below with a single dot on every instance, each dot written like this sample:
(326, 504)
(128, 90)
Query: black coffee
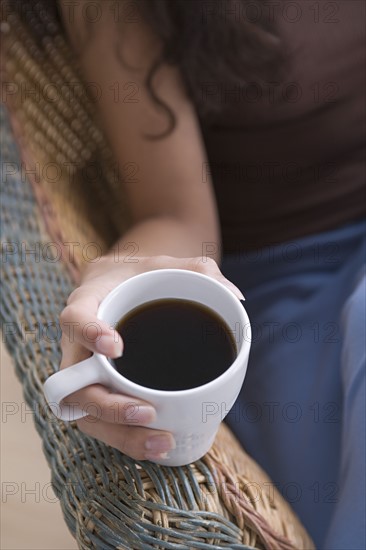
(173, 344)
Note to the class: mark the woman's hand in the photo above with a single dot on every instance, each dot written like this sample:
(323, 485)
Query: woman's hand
(121, 420)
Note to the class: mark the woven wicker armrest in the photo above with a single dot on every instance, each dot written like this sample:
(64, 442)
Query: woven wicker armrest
(108, 500)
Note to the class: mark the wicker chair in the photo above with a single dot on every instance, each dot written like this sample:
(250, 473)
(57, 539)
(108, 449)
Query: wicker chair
(51, 147)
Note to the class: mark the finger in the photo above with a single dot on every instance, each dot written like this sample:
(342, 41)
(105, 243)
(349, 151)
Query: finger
(102, 404)
(72, 352)
(137, 442)
(212, 269)
(209, 267)
(80, 324)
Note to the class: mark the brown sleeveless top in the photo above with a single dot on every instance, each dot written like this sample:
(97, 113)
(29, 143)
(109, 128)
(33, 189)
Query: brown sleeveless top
(288, 158)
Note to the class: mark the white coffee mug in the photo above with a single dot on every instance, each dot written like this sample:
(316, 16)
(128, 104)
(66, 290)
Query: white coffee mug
(192, 415)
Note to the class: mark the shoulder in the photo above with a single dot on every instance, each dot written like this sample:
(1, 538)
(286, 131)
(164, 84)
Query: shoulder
(110, 24)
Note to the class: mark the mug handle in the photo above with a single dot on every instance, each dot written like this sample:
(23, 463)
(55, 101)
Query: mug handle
(69, 380)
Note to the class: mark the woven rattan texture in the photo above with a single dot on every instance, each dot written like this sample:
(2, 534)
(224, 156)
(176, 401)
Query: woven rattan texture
(108, 500)
(64, 152)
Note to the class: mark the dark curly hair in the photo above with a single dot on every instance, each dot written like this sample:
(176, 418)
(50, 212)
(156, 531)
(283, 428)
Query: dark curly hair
(226, 43)
(213, 42)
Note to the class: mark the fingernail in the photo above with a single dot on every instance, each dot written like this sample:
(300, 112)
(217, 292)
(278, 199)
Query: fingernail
(158, 456)
(145, 414)
(239, 294)
(108, 346)
(233, 288)
(159, 444)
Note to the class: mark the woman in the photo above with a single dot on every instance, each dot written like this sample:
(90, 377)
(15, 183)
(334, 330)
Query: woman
(245, 121)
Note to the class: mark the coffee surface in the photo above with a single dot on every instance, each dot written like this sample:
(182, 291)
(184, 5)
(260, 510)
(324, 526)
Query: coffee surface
(174, 344)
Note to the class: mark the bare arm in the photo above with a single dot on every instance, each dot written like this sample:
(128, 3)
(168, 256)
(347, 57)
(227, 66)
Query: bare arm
(173, 209)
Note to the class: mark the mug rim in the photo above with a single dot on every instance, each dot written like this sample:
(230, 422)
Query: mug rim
(144, 391)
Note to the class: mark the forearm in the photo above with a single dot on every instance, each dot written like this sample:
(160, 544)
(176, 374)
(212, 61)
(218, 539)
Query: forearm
(165, 235)
(172, 201)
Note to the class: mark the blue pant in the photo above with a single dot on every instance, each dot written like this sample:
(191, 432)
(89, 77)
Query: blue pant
(301, 411)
